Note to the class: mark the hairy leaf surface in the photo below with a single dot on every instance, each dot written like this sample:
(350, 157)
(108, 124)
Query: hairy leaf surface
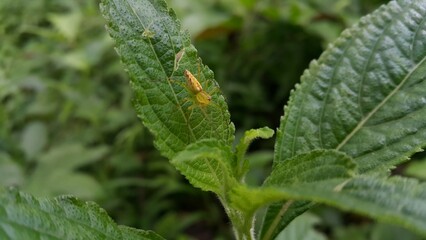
(25, 217)
(155, 52)
(395, 200)
(365, 96)
(314, 166)
(240, 164)
(206, 165)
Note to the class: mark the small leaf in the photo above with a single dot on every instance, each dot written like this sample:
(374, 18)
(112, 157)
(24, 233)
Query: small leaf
(56, 172)
(34, 138)
(417, 169)
(302, 228)
(241, 165)
(11, 174)
(67, 24)
(71, 156)
(25, 217)
(156, 51)
(206, 164)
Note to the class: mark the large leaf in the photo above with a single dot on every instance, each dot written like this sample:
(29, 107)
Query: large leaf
(364, 96)
(155, 52)
(25, 217)
(370, 81)
(395, 200)
(321, 177)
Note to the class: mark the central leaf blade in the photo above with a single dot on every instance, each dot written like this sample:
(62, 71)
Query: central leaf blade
(365, 95)
(156, 52)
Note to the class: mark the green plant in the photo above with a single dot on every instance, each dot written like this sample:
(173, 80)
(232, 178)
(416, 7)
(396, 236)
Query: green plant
(67, 125)
(358, 112)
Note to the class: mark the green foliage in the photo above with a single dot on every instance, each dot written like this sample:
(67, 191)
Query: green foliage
(155, 75)
(302, 228)
(358, 112)
(241, 165)
(47, 70)
(60, 165)
(65, 101)
(205, 164)
(395, 200)
(334, 107)
(329, 110)
(377, 231)
(25, 217)
(417, 168)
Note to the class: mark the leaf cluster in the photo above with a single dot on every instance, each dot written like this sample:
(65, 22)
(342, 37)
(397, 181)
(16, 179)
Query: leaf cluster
(67, 125)
(357, 113)
(331, 139)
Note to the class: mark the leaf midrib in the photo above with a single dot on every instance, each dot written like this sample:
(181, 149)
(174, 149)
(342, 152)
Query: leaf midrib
(390, 95)
(162, 67)
(380, 105)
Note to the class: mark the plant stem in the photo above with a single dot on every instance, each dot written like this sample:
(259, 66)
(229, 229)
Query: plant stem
(242, 224)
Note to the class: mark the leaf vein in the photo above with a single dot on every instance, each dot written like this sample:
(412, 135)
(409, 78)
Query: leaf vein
(380, 105)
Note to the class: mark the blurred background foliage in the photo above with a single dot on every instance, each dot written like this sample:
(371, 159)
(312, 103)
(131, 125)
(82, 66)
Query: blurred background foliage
(68, 126)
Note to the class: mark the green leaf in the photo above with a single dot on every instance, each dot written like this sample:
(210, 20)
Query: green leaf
(25, 217)
(53, 183)
(202, 15)
(67, 24)
(56, 172)
(11, 173)
(395, 200)
(365, 94)
(71, 156)
(382, 231)
(416, 169)
(155, 52)
(206, 165)
(314, 166)
(242, 165)
(302, 227)
(283, 213)
(317, 165)
(367, 82)
(34, 139)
